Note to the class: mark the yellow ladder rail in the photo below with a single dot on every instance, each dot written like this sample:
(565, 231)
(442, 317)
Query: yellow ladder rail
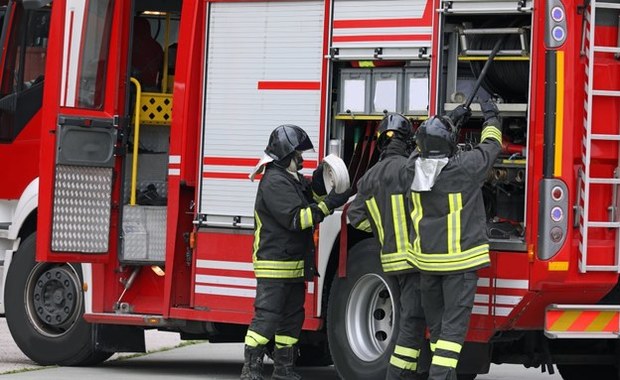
(136, 138)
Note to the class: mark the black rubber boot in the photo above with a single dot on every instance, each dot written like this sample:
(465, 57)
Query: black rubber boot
(395, 373)
(284, 364)
(253, 365)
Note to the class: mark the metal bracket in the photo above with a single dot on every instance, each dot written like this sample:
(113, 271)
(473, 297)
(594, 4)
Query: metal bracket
(617, 55)
(613, 208)
(576, 209)
(464, 32)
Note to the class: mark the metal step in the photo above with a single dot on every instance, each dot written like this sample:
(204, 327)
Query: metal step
(604, 224)
(5, 225)
(603, 5)
(607, 49)
(605, 181)
(602, 268)
(598, 136)
(605, 93)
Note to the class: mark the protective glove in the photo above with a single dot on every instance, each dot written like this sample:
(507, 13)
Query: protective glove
(459, 114)
(335, 200)
(489, 110)
(318, 184)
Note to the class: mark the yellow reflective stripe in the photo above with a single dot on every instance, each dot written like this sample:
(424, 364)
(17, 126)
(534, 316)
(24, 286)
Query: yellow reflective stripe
(274, 264)
(403, 364)
(396, 261)
(366, 64)
(559, 113)
(254, 339)
(323, 207)
(444, 362)
(443, 257)
(396, 256)
(454, 223)
(416, 216)
(398, 266)
(305, 216)
(433, 345)
(317, 198)
(449, 346)
(364, 226)
(267, 273)
(400, 223)
(278, 269)
(285, 341)
(491, 132)
(376, 217)
(406, 351)
(454, 266)
(259, 225)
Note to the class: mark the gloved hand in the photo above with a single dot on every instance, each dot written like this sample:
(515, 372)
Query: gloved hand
(489, 110)
(318, 184)
(459, 114)
(335, 200)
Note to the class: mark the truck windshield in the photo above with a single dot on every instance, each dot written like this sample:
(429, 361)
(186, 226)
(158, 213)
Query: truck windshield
(25, 34)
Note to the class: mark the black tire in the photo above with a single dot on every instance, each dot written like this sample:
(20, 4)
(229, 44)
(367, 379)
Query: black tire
(44, 305)
(588, 371)
(361, 314)
(314, 355)
(466, 376)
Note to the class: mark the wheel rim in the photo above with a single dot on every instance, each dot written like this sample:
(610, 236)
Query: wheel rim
(53, 298)
(369, 317)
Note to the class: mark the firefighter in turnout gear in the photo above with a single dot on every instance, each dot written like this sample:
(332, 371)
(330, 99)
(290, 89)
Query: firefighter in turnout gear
(380, 207)
(287, 208)
(449, 236)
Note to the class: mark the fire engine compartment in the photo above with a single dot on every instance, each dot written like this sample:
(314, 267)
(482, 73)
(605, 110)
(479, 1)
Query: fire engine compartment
(401, 86)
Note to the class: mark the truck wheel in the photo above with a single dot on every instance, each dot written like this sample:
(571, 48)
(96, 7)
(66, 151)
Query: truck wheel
(585, 371)
(44, 308)
(361, 315)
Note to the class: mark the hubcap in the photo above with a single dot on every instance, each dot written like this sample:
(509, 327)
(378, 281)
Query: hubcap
(369, 317)
(53, 298)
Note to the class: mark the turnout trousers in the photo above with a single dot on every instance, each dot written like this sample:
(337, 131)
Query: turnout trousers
(411, 329)
(278, 311)
(447, 300)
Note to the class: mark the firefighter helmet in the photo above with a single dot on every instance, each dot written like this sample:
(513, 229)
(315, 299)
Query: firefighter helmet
(393, 122)
(286, 139)
(437, 137)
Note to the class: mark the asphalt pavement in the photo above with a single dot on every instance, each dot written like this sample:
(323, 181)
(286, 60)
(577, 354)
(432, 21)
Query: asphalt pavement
(167, 360)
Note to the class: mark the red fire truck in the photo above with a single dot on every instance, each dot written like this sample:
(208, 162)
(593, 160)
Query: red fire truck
(145, 210)
(24, 44)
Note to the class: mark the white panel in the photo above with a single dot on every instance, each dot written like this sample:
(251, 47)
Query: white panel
(359, 23)
(74, 20)
(378, 9)
(228, 197)
(248, 44)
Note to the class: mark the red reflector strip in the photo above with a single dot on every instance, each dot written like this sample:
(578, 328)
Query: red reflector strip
(288, 85)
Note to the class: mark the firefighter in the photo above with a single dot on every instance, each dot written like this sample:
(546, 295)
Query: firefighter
(287, 208)
(147, 55)
(449, 237)
(379, 206)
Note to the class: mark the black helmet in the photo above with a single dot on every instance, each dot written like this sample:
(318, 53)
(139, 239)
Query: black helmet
(437, 137)
(393, 122)
(286, 139)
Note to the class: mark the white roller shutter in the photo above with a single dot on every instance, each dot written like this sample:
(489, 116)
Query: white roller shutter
(264, 65)
(385, 29)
